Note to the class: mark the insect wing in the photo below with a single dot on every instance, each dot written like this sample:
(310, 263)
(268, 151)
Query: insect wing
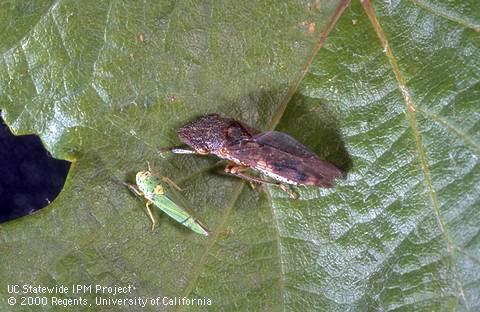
(283, 158)
(173, 204)
(284, 142)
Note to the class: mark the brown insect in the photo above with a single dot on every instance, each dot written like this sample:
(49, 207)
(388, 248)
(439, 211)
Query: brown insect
(274, 154)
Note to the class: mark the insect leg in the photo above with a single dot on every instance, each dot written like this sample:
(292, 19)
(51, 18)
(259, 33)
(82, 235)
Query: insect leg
(182, 151)
(179, 150)
(237, 171)
(176, 150)
(170, 182)
(137, 192)
(284, 188)
(150, 214)
(134, 189)
(152, 170)
(233, 169)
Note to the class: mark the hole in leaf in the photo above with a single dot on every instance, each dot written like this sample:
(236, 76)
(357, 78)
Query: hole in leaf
(30, 178)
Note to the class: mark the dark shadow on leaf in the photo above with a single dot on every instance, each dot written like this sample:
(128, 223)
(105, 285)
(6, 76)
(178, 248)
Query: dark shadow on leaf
(316, 125)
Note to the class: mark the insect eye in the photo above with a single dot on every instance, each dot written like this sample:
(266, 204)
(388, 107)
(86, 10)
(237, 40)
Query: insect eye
(202, 151)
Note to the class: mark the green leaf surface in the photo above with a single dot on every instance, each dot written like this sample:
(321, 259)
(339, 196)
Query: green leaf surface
(389, 93)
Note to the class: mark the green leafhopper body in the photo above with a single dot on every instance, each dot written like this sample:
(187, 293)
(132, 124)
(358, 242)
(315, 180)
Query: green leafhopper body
(154, 189)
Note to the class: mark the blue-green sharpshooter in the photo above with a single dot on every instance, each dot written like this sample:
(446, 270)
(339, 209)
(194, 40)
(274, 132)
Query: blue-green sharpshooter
(158, 190)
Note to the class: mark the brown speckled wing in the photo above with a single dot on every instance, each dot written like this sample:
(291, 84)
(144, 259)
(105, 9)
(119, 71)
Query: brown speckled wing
(282, 157)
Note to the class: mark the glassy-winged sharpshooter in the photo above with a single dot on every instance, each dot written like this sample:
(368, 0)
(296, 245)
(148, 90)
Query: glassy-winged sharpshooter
(274, 154)
(211, 133)
(159, 192)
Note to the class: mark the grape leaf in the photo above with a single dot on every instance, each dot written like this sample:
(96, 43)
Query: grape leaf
(388, 93)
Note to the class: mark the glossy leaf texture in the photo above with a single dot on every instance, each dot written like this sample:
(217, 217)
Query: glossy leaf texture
(389, 93)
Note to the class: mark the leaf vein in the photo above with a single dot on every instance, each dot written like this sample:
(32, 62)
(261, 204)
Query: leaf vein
(279, 250)
(444, 13)
(294, 86)
(203, 258)
(411, 109)
(461, 134)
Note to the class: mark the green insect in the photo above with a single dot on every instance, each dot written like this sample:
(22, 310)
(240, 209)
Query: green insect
(159, 191)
